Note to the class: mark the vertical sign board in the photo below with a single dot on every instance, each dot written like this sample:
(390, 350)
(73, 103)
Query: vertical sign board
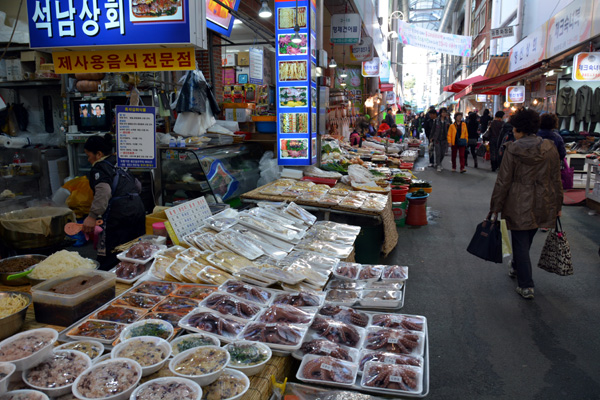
(256, 73)
(296, 83)
(123, 23)
(136, 137)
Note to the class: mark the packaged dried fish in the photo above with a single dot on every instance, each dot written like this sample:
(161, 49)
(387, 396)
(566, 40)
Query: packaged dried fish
(233, 240)
(190, 271)
(175, 268)
(269, 228)
(213, 276)
(229, 261)
(331, 249)
(207, 241)
(299, 212)
(330, 200)
(311, 275)
(259, 241)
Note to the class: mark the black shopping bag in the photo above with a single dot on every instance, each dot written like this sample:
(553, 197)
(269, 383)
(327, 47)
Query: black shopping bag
(487, 241)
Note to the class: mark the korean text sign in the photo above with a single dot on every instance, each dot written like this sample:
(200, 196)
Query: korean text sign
(345, 28)
(169, 59)
(586, 67)
(73, 23)
(456, 45)
(515, 94)
(136, 137)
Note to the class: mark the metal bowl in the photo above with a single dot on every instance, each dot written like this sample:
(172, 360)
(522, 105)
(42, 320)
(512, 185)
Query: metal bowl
(34, 281)
(20, 281)
(11, 324)
(21, 240)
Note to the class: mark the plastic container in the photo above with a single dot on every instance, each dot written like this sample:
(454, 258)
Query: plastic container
(31, 394)
(314, 345)
(221, 382)
(206, 378)
(193, 340)
(149, 369)
(166, 329)
(119, 396)
(159, 229)
(91, 348)
(396, 341)
(325, 370)
(417, 210)
(370, 273)
(381, 298)
(58, 390)
(394, 273)
(373, 370)
(415, 323)
(259, 351)
(399, 195)
(36, 357)
(131, 281)
(273, 334)
(123, 256)
(210, 320)
(337, 332)
(65, 309)
(196, 390)
(342, 297)
(388, 358)
(8, 369)
(347, 271)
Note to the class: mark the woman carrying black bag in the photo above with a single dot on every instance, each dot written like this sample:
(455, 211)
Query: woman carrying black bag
(528, 192)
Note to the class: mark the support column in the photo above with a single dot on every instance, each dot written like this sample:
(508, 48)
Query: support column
(466, 32)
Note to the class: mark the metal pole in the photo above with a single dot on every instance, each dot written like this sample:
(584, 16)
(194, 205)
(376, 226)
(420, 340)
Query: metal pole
(320, 8)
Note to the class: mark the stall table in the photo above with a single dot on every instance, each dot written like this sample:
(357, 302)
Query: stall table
(386, 216)
(260, 384)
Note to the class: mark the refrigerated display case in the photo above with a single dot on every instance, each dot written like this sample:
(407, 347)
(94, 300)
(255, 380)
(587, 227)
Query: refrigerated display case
(221, 173)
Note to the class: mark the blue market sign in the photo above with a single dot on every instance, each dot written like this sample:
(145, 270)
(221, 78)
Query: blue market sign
(115, 23)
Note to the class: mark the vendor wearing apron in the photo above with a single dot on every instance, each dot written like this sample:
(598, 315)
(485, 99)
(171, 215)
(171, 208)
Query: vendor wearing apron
(116, 200)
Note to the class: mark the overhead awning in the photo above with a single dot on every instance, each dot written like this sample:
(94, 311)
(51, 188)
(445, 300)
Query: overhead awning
(496, 85)
(456, 87)
(498, 66)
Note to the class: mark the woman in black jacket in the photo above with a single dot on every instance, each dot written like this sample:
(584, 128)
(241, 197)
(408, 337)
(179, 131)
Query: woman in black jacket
(472, 128)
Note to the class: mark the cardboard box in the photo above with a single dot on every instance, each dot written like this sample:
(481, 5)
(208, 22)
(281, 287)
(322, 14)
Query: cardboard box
(159, 216)
(14, 70)
(244, 58)
(228, 76)
(37, 58)
(228, 60)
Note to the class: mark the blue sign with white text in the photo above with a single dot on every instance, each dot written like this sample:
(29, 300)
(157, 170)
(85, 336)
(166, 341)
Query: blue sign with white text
(73, 23)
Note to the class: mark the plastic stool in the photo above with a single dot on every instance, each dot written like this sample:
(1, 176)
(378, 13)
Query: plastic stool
(417, 210)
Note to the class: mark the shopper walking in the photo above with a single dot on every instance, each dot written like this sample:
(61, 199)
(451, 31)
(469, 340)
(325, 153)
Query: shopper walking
(473, 129)
(356, 138)
(506, 136)
(457, 138)
(548, 130)
(439, 136)
(485, 120)
(494, 138)
(528, 192)
(428, 126)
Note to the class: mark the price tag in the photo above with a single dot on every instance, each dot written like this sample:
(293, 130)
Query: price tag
(326, 349)
(396, 379)
(187, 217)
(327, 367)
(389, 360)
(392, 340)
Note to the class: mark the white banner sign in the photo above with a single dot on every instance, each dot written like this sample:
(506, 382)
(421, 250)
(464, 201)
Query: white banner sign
(586, 67)
(456, 45)
(345, 29)
(571, 26)
(515, 94)
(371, 68)
(529, 50)
(480, 98)
(362, 51)
(256, 66)
(498, 33)
(384, 71)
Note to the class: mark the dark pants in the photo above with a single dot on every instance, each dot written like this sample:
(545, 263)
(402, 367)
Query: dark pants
(473, 149)
(118, 234)
(521, 243)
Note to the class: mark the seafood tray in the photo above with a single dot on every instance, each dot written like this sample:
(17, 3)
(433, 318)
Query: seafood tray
(337, 332)
(324, 347)
(168, 301)
(247, 292)
(283, 338)
(145, 255)
(368, 299)
(269, 228)
(205, 320)
(326, 370)
(144, 267)
(230, 306)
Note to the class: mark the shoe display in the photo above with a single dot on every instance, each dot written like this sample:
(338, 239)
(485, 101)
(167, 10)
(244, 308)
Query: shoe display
(526, 293)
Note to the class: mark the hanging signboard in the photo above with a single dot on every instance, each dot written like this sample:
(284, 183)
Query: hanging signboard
(132, 60)
(384, 71)
(371, 68)
(116, 23)
(363, 51)
(296, 80)
(515, 94)
(529, 51)
(446, 43)
(345, 29)
(218, 18)
(256, 66)
(136, 137)
(499, 33)
(480, 98)
(586, 67)
(569, 27)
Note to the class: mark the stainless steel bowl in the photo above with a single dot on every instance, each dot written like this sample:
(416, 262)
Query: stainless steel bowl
(34, 281)
(20, 281)
(22, 240)
(11, 324)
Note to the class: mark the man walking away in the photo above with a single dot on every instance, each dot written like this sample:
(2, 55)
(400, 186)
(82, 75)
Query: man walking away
(428, 126)
(472, 128)
(439, 136)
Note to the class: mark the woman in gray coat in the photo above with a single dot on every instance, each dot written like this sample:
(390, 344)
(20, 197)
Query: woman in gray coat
(528, 192)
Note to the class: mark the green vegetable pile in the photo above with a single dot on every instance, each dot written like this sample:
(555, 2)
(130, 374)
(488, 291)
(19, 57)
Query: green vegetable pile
(400, 180)
(420, 184)
(419, 193)
(335, 167)
(376, 173)
(328, 149)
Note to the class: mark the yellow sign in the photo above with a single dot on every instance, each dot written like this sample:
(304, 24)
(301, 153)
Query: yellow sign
(70, 62)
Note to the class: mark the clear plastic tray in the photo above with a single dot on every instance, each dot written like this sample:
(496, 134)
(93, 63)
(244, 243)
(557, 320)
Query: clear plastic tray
(286, 314)
(213, 276)
(394, 273)
(269, 228)
(174, 269)
(344, 284)
(299, 299)
(381, 298)
(342, 297)
(329, 249)
(247, 292)
(318, 261)
(220, 223)
(283, 337)
(171, 252)
(370, 273)
(337, 332)
(388, 358)
(402, 378)
(135, 278)
(229, 261)
(323, 347)
(338, 226)
(415, 323)
(347, 315)
(310, 274)
(347, 271)
(231, 306)
(207, 242)
(236, 242)
(255, 276)
(204, 320)
(329, 235)
(296, 211)
(395, 341)
(159, 266)
(123, 256)
(255, 239)
(269, 217)
(97, 330)
(325, 370)
(291, 278)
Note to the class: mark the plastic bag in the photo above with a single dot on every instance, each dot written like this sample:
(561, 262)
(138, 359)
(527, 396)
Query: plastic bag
(81, 196)
(506, 246)
(359, 174)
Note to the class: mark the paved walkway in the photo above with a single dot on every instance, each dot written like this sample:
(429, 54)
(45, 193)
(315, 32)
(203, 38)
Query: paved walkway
(486, 342)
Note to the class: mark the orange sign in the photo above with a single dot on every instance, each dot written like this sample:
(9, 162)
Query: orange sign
(70, 62)
(586, 67)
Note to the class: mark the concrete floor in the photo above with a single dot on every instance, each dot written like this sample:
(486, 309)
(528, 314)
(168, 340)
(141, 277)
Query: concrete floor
(485, 341)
